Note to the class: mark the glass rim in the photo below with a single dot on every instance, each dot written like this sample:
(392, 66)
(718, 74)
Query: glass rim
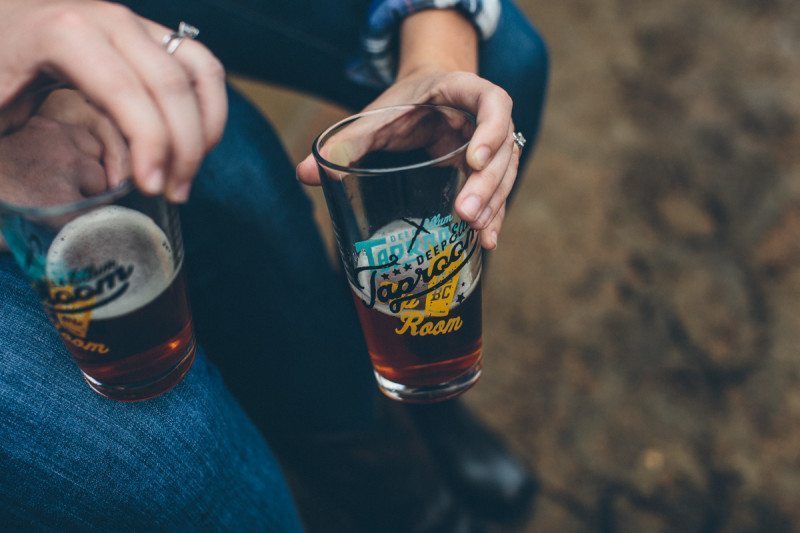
(376, 171)
(57, 210)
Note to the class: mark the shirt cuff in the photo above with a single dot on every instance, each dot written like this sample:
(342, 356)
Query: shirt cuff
(377, 63)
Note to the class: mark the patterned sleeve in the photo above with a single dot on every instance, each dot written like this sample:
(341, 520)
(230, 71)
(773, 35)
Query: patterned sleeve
(376, 65)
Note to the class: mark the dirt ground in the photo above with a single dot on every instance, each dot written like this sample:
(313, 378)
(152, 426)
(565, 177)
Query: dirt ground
(643, 307)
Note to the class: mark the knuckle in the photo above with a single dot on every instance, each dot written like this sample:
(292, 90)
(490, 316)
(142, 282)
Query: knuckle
(51, 128)
(458, 75)
(508, 184)
(503, 96)
(493, 207)
(491, 176)
(213, 68)
(104, 127)
(173, 81)
(497, 202)
(487, 221)
(190, 152)
(65, 20)
(117, 11)
(194, 154)
(154, 138)
(61, 151)
(38, 121)
(73, 159)
(92, 169)
(80, 135)
(458, 79)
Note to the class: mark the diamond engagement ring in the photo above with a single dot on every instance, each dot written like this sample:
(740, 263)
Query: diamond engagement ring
(519, 140)
(172, 41)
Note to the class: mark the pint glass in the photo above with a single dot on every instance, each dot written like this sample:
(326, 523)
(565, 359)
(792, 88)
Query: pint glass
(109, 273)
(390, 178)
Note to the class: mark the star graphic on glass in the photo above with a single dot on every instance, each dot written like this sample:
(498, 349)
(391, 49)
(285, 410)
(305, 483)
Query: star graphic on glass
(407, 266)
(385, 275)
(396, 272)
(460, 298)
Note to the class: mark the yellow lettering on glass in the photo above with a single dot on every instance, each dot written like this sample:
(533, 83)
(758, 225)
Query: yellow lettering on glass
(75, 326)
(437, 304)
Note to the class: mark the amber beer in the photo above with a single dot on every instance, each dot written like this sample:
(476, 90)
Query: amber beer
(119, 303)
(422, 318)
(424, 359)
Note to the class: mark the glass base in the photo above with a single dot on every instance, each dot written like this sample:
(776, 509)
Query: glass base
(144, 391)
(430, 393)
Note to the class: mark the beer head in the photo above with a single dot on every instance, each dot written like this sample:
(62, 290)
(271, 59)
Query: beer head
(112, 260)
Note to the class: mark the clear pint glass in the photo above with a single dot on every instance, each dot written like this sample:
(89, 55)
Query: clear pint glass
(390, 178)
(109, 273)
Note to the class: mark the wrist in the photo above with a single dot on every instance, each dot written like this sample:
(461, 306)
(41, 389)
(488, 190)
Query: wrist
(423, 70)
(436, 40)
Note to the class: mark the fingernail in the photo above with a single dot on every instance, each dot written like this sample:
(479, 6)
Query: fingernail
(470, 206)
(483, 219)
(154, 182)
(482, 156)
(297, 172)
(180, 193)
(494, 239)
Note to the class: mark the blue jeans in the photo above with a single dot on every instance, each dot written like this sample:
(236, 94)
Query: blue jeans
(271, 313)
(70, 459)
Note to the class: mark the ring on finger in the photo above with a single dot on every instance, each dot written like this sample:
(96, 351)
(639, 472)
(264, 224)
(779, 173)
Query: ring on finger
(173, 40)
(519, 139)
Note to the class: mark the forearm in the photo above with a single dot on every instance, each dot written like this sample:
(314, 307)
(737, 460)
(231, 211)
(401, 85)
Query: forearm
(437, 39)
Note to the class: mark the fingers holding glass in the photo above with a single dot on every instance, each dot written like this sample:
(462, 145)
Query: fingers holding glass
(496, 207)
(491, 106)
(173, 91)
(70, 107)
(206, 73)
(169, 113)
(490, 234)
(473, 203)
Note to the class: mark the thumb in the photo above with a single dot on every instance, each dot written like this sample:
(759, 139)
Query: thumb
(307, 172)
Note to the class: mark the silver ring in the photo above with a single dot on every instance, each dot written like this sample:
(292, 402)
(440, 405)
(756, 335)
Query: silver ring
(519, 140)
(173, 40)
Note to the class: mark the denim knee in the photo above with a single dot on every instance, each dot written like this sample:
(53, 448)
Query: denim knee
(72, 459)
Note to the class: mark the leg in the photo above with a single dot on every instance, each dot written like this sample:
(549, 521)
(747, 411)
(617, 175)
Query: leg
(266, 301)
(73, 460)
(266, 298)
(307, 45)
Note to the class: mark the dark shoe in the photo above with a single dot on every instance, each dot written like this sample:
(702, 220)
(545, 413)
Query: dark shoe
(381, 480)
(494, 482)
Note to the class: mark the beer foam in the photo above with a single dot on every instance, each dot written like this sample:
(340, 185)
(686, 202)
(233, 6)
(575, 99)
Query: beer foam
(106, 239)
(392, 232)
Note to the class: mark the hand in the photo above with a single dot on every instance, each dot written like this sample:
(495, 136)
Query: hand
(71, 109)
(170, 109)
(438, 55)
(47, 162)
(67, 152)
(492, 153)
